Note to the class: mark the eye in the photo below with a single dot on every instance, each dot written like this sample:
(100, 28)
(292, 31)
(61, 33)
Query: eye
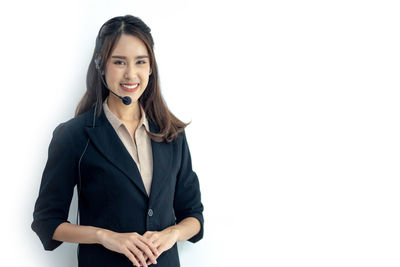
(118, 62)
(144, 62)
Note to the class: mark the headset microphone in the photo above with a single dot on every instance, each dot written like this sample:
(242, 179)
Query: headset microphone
(126, 99)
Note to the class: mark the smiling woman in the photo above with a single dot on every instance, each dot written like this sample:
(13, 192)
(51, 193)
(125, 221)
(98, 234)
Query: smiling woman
(124, 54)
(126, 71)
(138, 195)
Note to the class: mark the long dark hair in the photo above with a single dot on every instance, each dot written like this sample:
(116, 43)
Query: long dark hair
(151, 100)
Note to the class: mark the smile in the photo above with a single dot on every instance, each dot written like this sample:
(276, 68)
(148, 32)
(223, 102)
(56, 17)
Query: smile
(129, 87)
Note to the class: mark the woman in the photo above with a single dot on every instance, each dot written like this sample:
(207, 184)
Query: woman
(129, 157)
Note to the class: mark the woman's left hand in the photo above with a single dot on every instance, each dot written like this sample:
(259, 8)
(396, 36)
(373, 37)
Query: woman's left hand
(164, 239)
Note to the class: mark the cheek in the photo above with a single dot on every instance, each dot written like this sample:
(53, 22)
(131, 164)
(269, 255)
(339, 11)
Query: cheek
(144, 76)
(113, 77)
(115, 73)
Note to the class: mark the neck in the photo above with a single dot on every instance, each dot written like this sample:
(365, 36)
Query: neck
(124, 112)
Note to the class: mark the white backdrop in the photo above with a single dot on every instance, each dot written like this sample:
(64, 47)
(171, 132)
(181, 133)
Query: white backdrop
(295, 122)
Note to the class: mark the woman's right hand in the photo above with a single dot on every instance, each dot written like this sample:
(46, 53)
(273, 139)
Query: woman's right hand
(134, 246)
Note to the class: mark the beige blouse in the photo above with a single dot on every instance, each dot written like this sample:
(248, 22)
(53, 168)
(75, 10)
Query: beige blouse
(140, 152)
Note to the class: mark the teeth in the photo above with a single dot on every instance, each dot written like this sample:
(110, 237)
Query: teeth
(130, 86)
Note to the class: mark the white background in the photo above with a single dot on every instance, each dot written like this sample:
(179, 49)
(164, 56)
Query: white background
(295, 122)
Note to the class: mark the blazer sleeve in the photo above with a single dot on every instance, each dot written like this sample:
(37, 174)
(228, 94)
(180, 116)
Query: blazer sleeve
(187, 202)
(56, 188)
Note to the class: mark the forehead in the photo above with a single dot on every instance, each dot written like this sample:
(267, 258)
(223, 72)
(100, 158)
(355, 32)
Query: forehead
(129, 46)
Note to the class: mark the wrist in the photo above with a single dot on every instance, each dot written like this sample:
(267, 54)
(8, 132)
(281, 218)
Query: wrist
(100, 235)
(174, 230)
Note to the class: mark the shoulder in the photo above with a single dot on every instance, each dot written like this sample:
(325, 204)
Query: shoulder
(181, 140)
(78, 122)
(72, 131)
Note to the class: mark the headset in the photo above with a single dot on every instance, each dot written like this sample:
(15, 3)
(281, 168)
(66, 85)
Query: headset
(97, 61)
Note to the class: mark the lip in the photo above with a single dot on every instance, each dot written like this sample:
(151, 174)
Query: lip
(130, 90)
(129, 83)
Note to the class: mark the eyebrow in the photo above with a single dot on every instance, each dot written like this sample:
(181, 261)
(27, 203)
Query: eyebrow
(123, 57)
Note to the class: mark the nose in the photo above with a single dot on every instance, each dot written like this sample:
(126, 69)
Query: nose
(131, 72)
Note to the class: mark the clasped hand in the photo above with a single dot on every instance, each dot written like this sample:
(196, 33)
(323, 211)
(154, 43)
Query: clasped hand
(141, 250)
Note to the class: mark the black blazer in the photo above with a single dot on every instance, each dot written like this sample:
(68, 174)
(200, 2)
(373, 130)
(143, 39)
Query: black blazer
(112, 194)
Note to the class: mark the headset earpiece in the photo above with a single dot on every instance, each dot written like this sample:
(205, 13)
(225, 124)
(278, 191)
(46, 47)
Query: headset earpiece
(97, 62)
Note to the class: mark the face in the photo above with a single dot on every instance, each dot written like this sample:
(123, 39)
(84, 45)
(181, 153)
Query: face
(128, 67)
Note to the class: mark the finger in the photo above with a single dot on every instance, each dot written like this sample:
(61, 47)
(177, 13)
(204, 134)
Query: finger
(153, 238)
(146, 250)
(148, 261)
(157, 244)
(162, 248)
(138, 254)
(146, 238)
(131, 257)
(150, 245)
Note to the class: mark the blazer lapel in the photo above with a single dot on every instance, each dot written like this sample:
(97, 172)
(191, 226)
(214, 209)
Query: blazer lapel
(106, 140)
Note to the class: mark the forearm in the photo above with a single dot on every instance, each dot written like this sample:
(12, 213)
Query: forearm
(67, 232)
(186, 229)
